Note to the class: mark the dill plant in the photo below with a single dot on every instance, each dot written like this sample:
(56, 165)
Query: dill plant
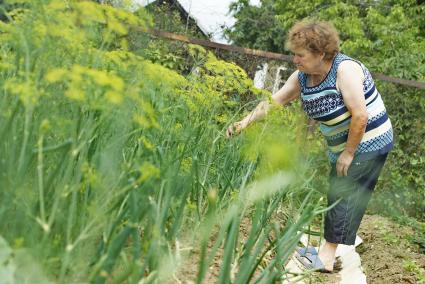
(108, 160)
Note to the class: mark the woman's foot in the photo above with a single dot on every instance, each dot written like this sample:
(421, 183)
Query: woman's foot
(327, 256)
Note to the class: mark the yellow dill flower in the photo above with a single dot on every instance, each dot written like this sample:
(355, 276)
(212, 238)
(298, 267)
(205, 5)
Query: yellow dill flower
(186, 164)
(39, 29)
(90, 12)
(75, 77)
(116, 83)
(55, 75)
(162, 76)
(222, 118)
(91, 176)
(100, 77)
(148, 171)
(178, 126)
(18, 14)
(114, 97)
(45, 126)
(6, 66)
(124, 44)
(25, 90)
(56, 6)
(78, 69)
(148, 144)
(115, 24)
(147, 108)
(5, 27)
(75, 94)
(142, 120)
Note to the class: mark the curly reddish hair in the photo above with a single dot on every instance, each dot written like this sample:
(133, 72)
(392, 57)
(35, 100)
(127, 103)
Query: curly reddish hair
(315, 36)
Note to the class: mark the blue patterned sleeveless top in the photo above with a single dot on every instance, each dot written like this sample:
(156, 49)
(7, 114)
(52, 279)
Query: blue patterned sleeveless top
(325, 104)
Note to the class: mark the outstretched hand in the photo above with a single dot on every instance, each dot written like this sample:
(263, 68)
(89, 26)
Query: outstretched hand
(233, 129)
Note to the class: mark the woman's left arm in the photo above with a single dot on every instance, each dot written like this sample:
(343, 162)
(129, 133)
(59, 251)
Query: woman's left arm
(350, 82)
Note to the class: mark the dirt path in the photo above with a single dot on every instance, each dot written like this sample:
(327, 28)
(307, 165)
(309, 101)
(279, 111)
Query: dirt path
(386, 254)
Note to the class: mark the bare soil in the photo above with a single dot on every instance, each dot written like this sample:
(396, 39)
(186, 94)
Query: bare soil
(386, 254)
(189, 270)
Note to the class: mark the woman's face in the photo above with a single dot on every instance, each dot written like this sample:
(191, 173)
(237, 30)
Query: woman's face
(307, 61)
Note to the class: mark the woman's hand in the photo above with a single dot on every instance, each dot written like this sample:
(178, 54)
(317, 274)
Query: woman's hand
(289, 92)
(233, 129)
(343, 163)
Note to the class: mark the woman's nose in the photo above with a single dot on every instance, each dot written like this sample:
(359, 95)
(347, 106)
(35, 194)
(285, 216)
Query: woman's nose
(295, 59)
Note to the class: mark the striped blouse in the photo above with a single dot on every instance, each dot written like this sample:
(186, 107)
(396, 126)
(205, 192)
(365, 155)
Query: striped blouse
(325, 104)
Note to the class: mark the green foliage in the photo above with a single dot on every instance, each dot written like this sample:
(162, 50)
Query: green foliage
(402, 184)
(222, 78)
(256, 27)
(412, 266)
(167, 17)
(388, 37)
(419, 228)
(171, 54)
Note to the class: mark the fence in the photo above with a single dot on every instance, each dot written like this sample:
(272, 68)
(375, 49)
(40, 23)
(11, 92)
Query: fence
(267, 54)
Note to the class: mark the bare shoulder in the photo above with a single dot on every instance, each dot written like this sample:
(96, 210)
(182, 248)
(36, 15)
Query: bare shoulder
(292, 81)
(290, 90)
(350, 68)
(293, 78)
(295, 73)
(349, 75)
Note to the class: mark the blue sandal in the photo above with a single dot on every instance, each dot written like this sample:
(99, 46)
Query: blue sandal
(309, 258)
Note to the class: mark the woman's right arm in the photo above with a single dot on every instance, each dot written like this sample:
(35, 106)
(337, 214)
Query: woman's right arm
(289, 92)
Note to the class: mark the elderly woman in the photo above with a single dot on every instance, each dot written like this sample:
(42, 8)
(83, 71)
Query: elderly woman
(339, 93)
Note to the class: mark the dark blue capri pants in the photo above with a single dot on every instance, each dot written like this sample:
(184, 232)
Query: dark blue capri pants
(351, 194)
